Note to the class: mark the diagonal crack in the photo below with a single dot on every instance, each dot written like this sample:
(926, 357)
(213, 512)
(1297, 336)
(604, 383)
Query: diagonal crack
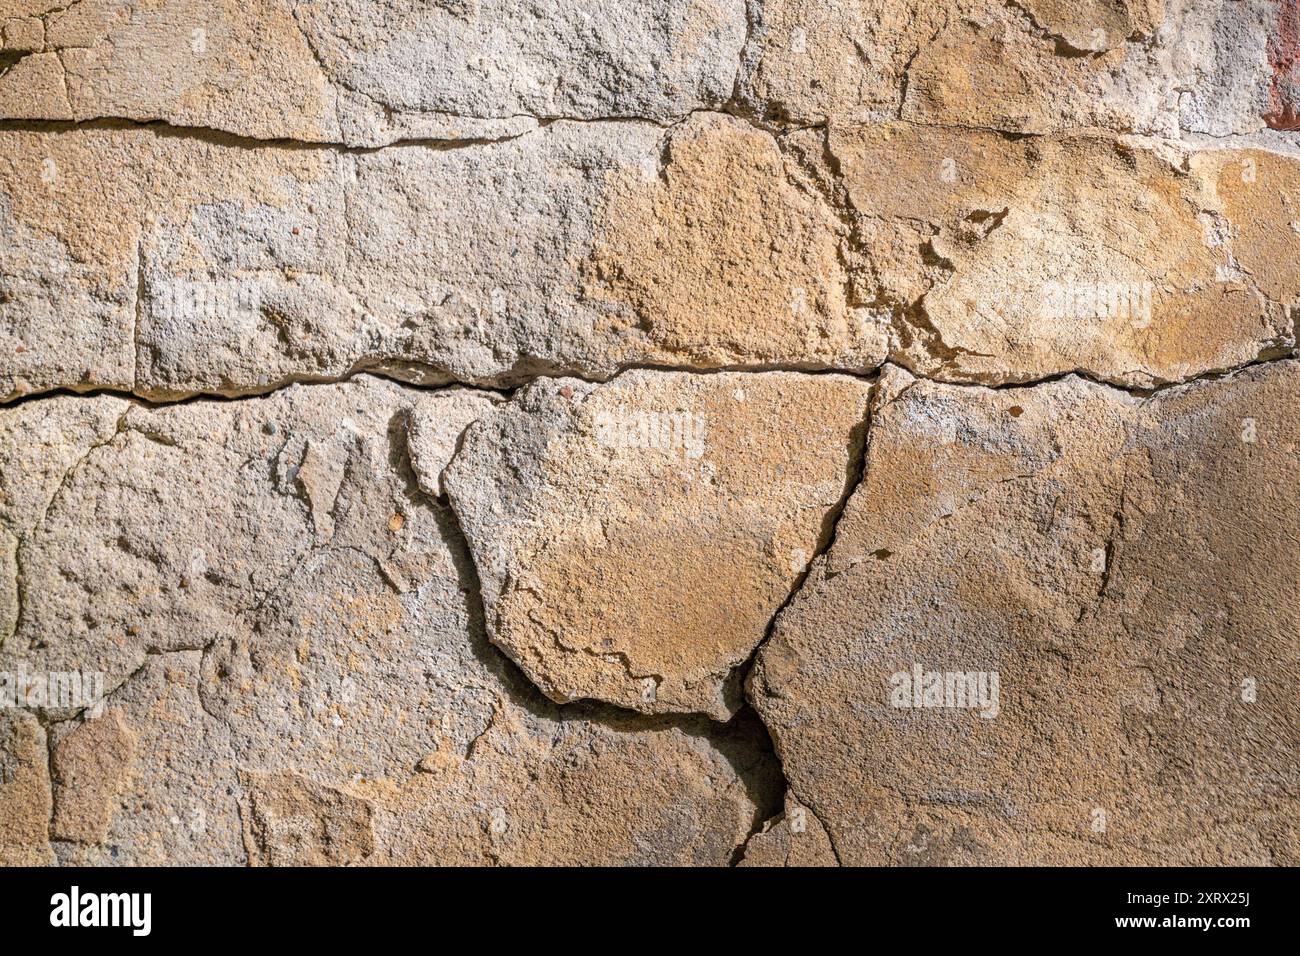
(832, 520)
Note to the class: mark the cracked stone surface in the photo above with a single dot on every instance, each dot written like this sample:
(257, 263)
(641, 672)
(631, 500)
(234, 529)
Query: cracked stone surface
(702, 432)
(224, 269)
(634, 538)
(368, 72)
(1121, 563)
(1010, 259)
(297, 671)
(1038, 66)
(796, 838)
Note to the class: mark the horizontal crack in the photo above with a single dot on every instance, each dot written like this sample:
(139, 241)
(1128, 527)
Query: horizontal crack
(143, 399)
(224, 137)
(221, 137)
(1265, 358)
(513, 384)
(1267, 140)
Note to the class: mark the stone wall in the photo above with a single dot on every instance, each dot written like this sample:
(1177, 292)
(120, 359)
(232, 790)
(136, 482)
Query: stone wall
(681, 432)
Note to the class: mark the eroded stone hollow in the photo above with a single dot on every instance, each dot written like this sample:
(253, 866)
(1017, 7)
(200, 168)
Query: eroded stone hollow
(777, 432)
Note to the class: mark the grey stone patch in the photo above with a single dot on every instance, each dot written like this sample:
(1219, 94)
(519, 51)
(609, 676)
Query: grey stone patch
(293, 646)
(1220, 49)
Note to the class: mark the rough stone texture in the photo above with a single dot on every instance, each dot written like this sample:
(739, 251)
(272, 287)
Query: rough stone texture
(220, 268)
(634, 539)
(367, 72)
(1121, 563)
(1284, 58)
(89, 765)
(216, 268)
(489, 432)
(300, 670)
(371, 72)
(1004, 259)
(796, 838)
(1157, 67)
(433, 435)
(24, 792)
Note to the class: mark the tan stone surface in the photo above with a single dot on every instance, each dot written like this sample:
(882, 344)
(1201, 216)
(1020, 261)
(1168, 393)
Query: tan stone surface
(1122, 564)
(1037, 66)
(368, 72)
(1014, 260)
(796, 838)
(434, 432)
(214, 267)
(290, 821)
(634, 539)
(220, 269)
(294, 659)
(24, 791)
(89, 766)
